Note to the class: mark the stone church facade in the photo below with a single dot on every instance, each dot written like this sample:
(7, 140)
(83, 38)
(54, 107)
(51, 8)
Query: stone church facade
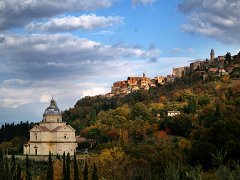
(51, 135)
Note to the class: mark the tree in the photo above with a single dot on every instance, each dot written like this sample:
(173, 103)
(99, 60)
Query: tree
(192, 105)
(76, 171)
(28, 175)
(113, 163)
(1, 154)
(6, 169)
(68, 174)
(19, 172)
(140, 111)
(95, 173)
(13, 166)
(64, 166)
(1, 164)
(85, 172)
(50, 167)
(228, 58)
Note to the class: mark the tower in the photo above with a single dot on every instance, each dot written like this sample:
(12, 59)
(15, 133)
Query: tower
(212, 55)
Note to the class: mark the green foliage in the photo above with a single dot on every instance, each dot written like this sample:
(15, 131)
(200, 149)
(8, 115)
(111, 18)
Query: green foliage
(218, 158)
(235, 73)
(85, 172)
(13, 166)
(95, 173)
(18, 172)
(140, 112)
(68, 172)
(50, 167)
(195, 173)
(64, 173)
(76, 170)
(28, 174)
(83, 145)
(171, 172)
(192, 105)
(204, 100)
(224, 173)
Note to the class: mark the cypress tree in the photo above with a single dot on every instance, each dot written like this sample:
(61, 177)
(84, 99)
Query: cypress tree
(68, 175)
(1, 164)
(64, 166)
(13, 166)
(19, 172)
(85, 172)
(50, 167)
(76, 172)
(6, 169)
(1, 155)
(28, 175)
(95, 173)
(58, 157)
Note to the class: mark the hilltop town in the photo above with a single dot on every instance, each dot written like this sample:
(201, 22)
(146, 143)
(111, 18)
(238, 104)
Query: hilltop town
(203, 69)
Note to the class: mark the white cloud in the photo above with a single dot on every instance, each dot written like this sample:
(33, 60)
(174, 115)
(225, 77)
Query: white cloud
(13, 103)
(143, 2)
(179, 50)
(17, 13)
(213, 18)
(69, 23)
(95, 91)
(104, 33)
(15, 82)
(54, 56)
(45, 98)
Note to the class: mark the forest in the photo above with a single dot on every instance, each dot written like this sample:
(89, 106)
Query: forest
(134, 138)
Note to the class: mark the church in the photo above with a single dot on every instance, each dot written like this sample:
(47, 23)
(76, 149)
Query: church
(51, 135)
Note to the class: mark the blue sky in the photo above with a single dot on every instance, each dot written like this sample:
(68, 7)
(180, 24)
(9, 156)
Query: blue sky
(72, 48)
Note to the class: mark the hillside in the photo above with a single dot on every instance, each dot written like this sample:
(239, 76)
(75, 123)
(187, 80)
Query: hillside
(132, 136)
(206, 132)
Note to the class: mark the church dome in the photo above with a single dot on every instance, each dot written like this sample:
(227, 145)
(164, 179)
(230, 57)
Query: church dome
(52, 109)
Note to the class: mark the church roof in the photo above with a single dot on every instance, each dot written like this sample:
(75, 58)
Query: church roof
(46, 129)
(52, 109)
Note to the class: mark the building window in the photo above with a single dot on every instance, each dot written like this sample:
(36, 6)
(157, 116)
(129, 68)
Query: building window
(65, 137)
(36, 151)
(36, 137)
(57, 119)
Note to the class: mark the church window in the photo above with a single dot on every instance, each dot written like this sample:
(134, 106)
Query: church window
(36, 151)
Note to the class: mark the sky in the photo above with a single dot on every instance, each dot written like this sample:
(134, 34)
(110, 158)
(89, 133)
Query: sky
(68, 49)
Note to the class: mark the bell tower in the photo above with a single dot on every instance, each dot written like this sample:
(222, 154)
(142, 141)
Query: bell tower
(212, 55)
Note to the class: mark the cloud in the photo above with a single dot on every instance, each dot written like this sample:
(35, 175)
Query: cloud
(53, 56)
(15, 82)
(14, 103)
(213, 18)
(17, 13)
(45, 98)
(95, 91)
(143, 2)
(179, 50)
(104, 33)
(70, 23)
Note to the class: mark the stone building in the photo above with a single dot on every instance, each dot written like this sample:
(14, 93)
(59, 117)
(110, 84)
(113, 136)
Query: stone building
(51, 135)
(180, 71)
(212, 55)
